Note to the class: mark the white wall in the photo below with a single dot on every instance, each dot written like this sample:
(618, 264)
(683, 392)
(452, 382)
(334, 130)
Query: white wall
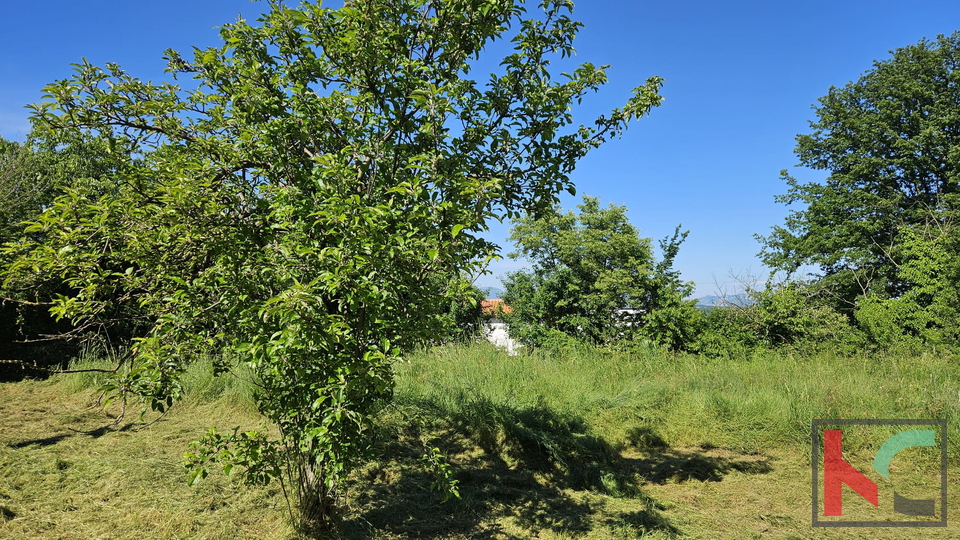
(498, 334)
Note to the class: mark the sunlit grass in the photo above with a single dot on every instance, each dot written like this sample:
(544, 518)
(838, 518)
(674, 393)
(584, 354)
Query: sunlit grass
(66, 471)
(581, 443)
(747, 404)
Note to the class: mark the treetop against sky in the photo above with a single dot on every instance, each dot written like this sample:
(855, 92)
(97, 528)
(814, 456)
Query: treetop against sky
(740, 82)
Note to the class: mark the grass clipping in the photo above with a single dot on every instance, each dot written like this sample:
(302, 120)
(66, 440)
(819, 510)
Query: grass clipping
(67, 472)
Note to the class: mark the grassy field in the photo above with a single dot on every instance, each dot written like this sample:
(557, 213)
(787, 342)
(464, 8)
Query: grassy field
(583, 444)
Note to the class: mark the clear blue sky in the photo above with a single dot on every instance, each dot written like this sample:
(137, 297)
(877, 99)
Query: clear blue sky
(740, 80)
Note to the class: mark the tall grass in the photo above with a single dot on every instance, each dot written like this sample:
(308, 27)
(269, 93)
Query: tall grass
(743, 404)
(635, 398)
(580, 443)
(199, 382)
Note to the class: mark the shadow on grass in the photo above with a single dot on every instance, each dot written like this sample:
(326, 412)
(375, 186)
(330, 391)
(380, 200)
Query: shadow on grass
(46, 441)
(653, 459)
(489, 492)
(93, 433)
(669, 465)
(520, 472)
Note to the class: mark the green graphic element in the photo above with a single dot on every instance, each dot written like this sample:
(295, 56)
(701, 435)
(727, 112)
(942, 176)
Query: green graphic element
(904, 439)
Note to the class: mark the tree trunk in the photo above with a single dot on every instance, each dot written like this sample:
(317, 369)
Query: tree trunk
(317, 503)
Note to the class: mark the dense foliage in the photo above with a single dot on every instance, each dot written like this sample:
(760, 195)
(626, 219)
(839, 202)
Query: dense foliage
(32, 173)
(465, 316)
(305, 205)
(595, 279)
(890, 144)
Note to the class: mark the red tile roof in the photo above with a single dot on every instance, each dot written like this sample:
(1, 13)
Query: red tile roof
(494, 307)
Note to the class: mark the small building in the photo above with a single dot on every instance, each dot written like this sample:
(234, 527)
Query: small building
(494, 329)
(493, 309)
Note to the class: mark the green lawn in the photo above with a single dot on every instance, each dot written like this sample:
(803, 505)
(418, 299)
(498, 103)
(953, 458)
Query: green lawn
(583, 444)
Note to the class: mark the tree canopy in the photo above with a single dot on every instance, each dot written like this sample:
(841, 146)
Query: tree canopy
(305, 203)
(891, 145)
(32, 173)
(593, 278)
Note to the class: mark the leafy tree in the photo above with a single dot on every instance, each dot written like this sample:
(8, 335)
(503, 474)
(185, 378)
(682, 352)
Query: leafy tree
(297, 204)
(594, 278)
(33, 172)
(669, 319)
(31, 175)
(892, 149)
(18, 188)
(17, 196)
(465, 315)
(928, 311)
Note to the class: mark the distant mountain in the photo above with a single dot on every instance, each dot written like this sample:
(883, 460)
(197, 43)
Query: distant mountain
(493, 292)
(739, 299)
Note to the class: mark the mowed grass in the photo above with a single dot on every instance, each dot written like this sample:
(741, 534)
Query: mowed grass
(579, 444)
(68, 471)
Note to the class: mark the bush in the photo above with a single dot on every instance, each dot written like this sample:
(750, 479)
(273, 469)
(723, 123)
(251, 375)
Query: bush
(793, 314)
(926, 312)
(725, 333)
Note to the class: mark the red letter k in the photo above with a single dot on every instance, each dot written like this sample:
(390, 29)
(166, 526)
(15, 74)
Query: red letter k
(837, 472)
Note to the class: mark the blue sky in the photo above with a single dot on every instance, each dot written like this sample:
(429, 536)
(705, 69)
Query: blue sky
(740, 81)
